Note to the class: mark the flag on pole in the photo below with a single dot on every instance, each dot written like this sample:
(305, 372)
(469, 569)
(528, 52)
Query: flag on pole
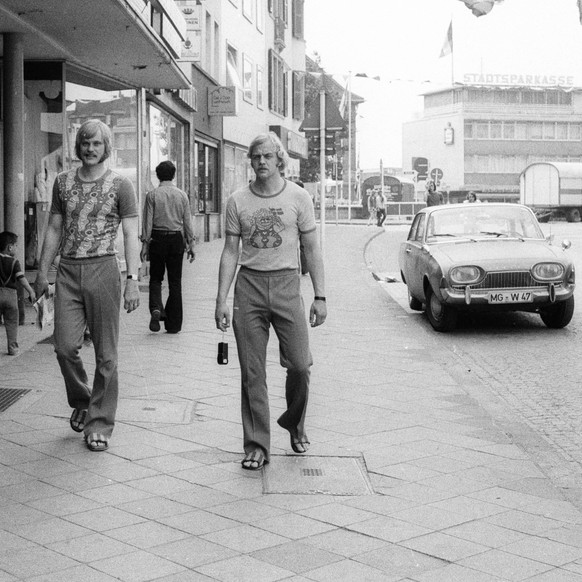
(448, 44)
(344, 100)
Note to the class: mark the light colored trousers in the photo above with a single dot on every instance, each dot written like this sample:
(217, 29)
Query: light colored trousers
(262, 299)
(88, 291)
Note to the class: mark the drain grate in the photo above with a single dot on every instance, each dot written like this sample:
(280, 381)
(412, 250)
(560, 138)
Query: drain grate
(9, 396)
(316, 475)
(312, 472)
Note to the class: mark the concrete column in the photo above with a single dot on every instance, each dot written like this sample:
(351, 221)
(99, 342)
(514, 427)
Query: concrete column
(13, 82)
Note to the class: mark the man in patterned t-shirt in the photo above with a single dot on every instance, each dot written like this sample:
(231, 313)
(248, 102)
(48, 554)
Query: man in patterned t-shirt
(270, 217)
(87, 207)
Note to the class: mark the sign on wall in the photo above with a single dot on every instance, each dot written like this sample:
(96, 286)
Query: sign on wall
(223, 100)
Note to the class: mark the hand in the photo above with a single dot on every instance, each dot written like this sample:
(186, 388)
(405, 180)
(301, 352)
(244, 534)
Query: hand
(222, 316)
(131, 296)
(317, 313)
(144, 254)
(32, 296)
(191, 254)
(41, 284)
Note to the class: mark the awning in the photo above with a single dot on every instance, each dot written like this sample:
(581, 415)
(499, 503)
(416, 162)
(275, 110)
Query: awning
(107, 37)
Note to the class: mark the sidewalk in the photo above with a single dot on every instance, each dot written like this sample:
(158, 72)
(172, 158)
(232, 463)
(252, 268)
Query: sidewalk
(409, 476)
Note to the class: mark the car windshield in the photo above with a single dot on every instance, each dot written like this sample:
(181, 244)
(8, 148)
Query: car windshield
(482, 221)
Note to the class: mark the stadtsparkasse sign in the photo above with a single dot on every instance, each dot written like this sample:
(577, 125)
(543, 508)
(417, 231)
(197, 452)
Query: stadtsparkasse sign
(518, 79)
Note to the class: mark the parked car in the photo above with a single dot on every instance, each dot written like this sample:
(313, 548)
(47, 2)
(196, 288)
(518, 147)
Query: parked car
(467, 257)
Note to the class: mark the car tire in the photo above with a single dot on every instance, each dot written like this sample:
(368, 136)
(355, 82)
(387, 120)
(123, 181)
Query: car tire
(414, 303)
(559, 315)
(442, 317)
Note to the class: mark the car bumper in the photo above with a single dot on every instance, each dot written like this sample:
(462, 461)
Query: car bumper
(540, 296)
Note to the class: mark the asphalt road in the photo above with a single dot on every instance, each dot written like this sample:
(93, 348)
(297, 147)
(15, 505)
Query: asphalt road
(530, 374)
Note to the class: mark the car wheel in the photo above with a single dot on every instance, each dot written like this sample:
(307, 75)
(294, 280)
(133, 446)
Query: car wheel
(442, 317)
(558, 315)
(414, 303)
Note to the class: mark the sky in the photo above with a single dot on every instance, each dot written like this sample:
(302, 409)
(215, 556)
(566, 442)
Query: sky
(401, 41)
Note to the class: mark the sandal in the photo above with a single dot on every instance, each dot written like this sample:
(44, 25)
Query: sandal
(97, 442)
(300, 444)
(254, 461)
(77, 420)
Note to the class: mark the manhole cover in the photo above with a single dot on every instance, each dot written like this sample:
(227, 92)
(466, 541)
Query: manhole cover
(155, 411)
(9, 396)
(313, 475)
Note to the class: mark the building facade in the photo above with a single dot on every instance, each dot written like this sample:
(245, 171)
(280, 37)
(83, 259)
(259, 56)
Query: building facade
(188, 80)
(481, 137)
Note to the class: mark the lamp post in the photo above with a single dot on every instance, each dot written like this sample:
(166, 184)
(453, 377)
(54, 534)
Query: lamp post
(349, 145)
(322, 166)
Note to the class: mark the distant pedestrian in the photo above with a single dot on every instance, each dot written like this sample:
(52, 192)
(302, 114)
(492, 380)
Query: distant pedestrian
(269, 217)
(471, 198)
(167, 228)
(371, 209)
(380, 208)
(88, 205)
(11, 277)
(433, 198)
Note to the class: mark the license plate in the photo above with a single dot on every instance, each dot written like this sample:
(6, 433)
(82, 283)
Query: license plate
(511, 297)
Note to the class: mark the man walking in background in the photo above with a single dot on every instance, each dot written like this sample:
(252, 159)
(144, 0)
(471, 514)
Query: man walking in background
(270, 216)
(88, 205)
(167, 224)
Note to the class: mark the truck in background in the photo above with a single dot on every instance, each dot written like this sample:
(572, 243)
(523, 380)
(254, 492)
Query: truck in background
(552, 190)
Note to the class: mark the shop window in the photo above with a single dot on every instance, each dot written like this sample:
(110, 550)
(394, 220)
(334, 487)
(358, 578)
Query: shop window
(468, 130)
(43, 144)
(167, 142)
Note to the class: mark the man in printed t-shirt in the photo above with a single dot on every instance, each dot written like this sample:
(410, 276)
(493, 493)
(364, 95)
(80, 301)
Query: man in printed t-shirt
(88, 205)
(270, 217)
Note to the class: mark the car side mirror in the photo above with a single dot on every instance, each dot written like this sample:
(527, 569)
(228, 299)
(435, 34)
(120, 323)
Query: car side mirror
(566, 244)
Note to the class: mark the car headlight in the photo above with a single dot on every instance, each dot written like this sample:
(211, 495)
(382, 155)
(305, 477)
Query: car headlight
(548, 271)
(465, 275)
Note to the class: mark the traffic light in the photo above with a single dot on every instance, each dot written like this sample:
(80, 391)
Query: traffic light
(480, 7)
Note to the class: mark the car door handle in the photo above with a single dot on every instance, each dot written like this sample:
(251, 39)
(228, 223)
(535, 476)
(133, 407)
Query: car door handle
(409, 250)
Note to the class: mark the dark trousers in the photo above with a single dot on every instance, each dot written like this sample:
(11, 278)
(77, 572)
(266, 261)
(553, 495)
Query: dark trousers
(166, 252)
(381, 215)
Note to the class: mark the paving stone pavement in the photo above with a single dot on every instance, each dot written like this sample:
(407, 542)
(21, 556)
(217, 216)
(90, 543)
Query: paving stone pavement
(451, 497)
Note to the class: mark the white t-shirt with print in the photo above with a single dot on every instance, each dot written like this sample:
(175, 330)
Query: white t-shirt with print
(270, 226)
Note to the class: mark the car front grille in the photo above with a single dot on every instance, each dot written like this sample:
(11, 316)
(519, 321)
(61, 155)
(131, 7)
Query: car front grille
(507, 280)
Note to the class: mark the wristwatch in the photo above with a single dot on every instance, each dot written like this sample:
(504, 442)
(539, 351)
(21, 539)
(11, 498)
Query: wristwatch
(134, 277)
